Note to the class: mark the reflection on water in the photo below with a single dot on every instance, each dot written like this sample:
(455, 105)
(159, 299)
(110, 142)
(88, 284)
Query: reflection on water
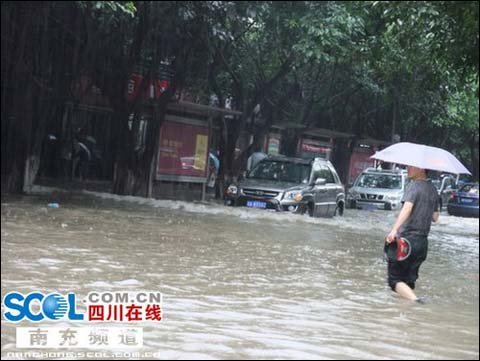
(241, 283)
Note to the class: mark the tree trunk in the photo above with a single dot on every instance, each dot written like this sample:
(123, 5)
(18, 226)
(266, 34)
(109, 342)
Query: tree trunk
(289, 142)
(395, 116)
(219, 191)
(134, 172)
(474, 156)
(18, 122)
(341, 156)
(35, 75)
(233, 133)
(123, 175)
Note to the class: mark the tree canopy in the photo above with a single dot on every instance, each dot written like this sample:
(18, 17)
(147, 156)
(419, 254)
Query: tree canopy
(369, 68)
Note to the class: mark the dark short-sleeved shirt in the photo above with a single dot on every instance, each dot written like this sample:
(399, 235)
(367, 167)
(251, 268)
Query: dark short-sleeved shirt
(424, 197)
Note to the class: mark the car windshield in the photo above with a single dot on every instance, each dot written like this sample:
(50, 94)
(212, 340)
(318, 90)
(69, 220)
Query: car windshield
(384, 181)
(469, 188)
(281, 171)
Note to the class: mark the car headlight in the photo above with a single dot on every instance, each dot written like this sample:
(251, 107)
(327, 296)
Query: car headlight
(296, 196)
(232, 189)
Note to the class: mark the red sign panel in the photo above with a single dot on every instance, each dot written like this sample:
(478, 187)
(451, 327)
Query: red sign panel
(360, 161)
(183, 150)
(313, 147)
(133, 86)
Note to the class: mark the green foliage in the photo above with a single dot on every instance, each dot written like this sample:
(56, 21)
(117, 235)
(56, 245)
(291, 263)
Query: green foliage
(109, 7)
(329, 32)
(355, 64)
(349, 66)
(461, 110)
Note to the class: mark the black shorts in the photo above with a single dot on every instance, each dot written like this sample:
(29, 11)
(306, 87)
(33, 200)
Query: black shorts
(407, 271)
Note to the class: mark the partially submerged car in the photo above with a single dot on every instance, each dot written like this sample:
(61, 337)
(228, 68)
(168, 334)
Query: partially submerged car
(290, 184)
(464, 203)
(462, 179)
(382, 189)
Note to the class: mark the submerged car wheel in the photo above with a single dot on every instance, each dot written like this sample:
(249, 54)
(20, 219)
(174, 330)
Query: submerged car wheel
(310, 209)
(339, 210)
(305, 208)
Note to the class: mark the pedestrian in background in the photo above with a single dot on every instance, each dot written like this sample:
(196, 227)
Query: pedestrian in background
(255, 158)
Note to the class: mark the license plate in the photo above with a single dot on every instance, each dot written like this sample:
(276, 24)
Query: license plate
(466, 200)
(367, 206)
(256, 204)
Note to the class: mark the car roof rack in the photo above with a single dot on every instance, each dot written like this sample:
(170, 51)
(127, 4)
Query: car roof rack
(281, 157)
(390, 171)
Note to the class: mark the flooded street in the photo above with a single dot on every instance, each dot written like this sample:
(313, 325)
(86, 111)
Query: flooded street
(248, 284)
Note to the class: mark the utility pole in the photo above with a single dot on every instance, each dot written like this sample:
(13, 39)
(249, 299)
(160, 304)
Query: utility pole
(394, 113)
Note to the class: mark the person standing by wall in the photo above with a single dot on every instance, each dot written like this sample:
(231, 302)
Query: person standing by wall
(255, 158)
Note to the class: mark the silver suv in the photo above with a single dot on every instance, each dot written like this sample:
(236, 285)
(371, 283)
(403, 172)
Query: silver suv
(290, 184)
(378, 189)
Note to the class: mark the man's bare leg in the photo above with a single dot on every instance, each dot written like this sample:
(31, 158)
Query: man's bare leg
(404, 291)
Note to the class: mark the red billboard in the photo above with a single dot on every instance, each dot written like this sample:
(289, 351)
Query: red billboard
(183, 151)
(312, 147)
(360, 161)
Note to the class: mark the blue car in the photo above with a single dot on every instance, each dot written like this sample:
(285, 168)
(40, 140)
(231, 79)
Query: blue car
(464, 202)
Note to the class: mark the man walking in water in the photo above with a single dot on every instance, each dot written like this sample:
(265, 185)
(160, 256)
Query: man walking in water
(420, 208)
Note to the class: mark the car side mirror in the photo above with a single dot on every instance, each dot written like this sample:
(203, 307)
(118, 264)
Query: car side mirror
(320, 181)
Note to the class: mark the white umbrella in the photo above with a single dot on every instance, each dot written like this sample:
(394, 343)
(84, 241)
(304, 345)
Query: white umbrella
(421, 156)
